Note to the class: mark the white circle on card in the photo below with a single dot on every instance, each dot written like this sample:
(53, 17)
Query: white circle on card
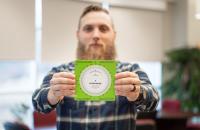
(95, 80)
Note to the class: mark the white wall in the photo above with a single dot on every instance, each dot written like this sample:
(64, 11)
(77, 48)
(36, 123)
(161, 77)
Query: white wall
(193, 24)
(175, 25)
(184, 27)
(179, 23)
(167, 27)
(139, 34)
(17, 29)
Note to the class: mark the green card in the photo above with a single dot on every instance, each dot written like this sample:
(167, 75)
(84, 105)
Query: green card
(95, 80)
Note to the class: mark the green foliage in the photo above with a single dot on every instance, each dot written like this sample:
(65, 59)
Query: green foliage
(183, 77)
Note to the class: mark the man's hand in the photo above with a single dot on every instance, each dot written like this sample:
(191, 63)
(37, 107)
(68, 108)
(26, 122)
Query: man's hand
(62, 84)
(127, 84)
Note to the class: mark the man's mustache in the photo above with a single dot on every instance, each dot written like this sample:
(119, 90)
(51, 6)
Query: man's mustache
(96, 44)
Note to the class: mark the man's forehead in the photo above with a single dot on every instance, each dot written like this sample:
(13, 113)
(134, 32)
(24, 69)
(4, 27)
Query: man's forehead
(96, 18)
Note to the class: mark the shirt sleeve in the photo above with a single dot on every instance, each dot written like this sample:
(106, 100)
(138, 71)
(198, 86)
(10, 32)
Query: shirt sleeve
(39, 97)
(148, 98)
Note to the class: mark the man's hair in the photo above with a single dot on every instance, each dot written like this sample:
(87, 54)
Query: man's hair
(93, 8)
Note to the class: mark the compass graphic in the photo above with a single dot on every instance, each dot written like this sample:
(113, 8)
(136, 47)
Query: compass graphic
(95, 80)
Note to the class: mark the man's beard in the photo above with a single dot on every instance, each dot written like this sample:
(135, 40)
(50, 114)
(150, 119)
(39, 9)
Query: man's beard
(96, 52)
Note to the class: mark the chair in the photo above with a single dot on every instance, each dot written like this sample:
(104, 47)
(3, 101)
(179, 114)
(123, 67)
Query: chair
(44, 120)
(146, 121)
(15, 126)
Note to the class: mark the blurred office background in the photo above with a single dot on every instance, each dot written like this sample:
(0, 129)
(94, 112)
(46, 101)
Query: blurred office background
(38, 34)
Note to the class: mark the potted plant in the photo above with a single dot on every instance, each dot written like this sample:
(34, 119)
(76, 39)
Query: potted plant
(181, 78)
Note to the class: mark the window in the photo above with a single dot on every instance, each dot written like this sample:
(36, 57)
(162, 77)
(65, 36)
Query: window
(154, 72)
(17, 76)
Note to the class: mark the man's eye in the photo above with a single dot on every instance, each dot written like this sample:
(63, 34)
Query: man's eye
(88, 28)
(104, 29)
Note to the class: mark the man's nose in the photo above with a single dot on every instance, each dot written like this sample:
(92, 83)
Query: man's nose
(96, 34)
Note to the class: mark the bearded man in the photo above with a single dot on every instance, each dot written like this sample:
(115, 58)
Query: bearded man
(96, 41)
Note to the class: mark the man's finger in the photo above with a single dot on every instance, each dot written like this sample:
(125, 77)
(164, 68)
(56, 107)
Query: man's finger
(124, 88)
(127, 88)
(58, 93)
(55, 81)
(126, 81)
(125, 74)
(61, 93)
(63, 87)
(64, 75)
(120, 93)
(69, 92)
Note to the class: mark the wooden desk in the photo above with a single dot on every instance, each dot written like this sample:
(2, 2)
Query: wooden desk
(193, 124)
(173, 120)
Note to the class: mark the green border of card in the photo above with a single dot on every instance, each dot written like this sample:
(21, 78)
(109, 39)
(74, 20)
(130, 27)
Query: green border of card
(109, 65)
